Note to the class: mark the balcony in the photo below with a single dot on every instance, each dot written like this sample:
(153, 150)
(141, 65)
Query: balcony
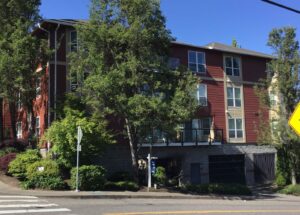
(184, 137)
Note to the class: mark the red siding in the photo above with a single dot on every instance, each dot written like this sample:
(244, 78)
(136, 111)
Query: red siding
(251, 103)
(253, 68)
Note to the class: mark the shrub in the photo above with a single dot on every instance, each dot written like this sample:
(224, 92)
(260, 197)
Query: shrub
(50, 170)
(44, 182)
(19, 145)
(90, 177)
(18, 167)
(120, 176)
(2, 153)
(160, 175)
(291, 190)
(121, 186)
(6, 160)
(225, 189)
(280, 180)
(7, 150)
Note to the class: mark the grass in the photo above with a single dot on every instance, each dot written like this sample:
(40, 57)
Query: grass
(291, 190)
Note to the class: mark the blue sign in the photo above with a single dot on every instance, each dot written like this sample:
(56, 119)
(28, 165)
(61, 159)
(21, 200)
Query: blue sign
(153, 167)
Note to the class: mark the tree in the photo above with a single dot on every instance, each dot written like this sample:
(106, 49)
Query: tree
(124, 47)
(63, 135)
(21, 53)
(283, 82)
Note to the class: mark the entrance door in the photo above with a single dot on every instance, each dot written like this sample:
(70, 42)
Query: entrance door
(264, 168)
(195, 173)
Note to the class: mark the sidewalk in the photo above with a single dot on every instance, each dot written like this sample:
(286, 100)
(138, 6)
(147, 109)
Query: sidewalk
(6, 189)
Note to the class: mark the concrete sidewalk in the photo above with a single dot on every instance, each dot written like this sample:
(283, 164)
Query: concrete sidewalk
(6, 189)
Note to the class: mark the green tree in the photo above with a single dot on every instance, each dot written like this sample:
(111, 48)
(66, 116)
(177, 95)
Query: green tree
(20, 54)
(125, 48)
(63, 136)
(283, 82)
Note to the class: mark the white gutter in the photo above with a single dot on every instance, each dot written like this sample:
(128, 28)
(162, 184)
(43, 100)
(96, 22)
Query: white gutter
(49, 82)
(55, 69)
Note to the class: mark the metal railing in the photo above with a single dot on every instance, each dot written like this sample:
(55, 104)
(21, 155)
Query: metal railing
(184, 137)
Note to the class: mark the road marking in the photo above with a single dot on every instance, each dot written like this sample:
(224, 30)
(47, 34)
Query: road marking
(19, 197)
(28, 205)
(35, 211)
(21, 200)
(206, 212)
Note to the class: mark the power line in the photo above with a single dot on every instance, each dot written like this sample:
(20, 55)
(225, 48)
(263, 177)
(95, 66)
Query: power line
(281, 5)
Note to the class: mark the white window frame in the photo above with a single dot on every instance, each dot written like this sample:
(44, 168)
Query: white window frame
(232, 65)
(19, 103)
(234, 98)
(235, 129)
(37, 126)
(19, 130)
(38, 89)
(199, 97)
(73, 43)
(197, 63)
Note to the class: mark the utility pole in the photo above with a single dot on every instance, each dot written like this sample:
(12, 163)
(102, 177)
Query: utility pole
(281, 6)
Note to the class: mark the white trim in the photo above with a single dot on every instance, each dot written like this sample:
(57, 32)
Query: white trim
(234, 98)
(19, 132)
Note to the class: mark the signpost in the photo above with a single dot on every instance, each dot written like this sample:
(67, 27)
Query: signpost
(151, 169)
(294, 120)
(78, 149)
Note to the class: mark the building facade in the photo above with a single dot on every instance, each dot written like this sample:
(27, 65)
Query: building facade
(218, 145)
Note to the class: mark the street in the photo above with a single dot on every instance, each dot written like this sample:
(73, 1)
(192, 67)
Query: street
(135, 206)
(285, 205)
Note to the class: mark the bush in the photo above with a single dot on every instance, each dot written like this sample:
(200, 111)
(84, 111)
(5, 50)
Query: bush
(280, 180)
(121, 186)
(225, 189)
(291, 190)
(90, 178)
(120, 176)
(44, 182)
(6, 160)
(160, 175)
(18, 167)
(51, 169)
(7, 150)
(19, 145)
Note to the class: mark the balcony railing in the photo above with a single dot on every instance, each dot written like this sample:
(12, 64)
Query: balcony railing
(184, 137)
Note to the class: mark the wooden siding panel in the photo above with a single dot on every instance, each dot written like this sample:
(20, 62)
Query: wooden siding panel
(253, 68)
(252, 108)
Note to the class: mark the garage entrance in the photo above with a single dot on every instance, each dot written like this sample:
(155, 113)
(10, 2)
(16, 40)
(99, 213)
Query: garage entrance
(227, 169)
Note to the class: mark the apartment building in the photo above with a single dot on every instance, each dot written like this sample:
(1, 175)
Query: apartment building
(218, 145)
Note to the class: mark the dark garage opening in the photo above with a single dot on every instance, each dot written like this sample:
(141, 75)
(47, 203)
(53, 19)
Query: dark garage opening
(227, 169)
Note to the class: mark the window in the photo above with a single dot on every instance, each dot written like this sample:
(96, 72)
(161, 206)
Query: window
(197, 130)
(74, 81)
(73, 41)
(37, 126)
(173, 63)
(274, 126)
(19, 130)
(235, 128)
(202, 94)
(233, 97)
(197, 61)
(232, 66)
(19, 103)
(38, 87)
(273, 99)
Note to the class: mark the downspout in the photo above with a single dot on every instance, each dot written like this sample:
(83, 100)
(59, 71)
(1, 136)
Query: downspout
(49, 78)
(55, 69)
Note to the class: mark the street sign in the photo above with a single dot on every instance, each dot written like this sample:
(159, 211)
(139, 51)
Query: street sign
(79, 135)
(294, 120)
(79, 148)
(153, 167)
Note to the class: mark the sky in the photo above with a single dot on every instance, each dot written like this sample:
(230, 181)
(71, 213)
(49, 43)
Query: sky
(200, 22)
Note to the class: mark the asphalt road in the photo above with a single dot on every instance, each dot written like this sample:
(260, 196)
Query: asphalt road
(177, 206)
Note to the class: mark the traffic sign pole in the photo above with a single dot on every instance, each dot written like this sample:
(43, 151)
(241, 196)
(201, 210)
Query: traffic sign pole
(78, 149)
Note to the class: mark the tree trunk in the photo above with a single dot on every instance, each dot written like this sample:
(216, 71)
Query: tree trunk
(293, 176)
(1, 121)
(132, 150)
(12, 110)
(31, 132)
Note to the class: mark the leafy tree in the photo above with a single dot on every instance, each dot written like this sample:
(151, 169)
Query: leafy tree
(21, 53)
(63, 136)
(283, 81)
(125, 48)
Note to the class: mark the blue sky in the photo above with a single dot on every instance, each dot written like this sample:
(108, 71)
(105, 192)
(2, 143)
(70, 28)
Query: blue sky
(203, 21)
